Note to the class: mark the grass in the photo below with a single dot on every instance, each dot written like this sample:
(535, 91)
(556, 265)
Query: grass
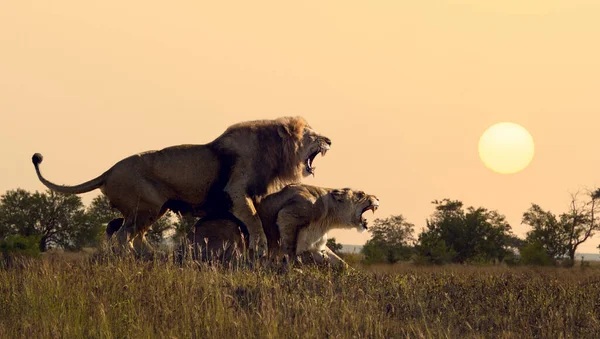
(78, 297)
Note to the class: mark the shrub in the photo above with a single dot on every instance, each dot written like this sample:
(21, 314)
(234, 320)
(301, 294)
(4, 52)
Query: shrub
(15, 246)
(535, 254)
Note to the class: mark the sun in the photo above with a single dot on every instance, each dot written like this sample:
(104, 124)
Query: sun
(506, 148)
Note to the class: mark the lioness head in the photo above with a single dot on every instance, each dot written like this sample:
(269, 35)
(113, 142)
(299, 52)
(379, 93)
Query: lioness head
(308, 143)
(353, 205)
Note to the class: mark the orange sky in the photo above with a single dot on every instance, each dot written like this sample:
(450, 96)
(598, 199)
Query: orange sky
(403, 88)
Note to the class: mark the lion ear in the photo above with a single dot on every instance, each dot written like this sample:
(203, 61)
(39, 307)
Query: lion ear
(338, 195)
(292, 127)
(284, 131)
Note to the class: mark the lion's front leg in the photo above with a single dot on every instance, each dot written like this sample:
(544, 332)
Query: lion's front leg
(243, 209)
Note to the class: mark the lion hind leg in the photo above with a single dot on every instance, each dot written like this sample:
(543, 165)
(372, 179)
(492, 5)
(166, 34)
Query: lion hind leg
(126, 233)
(113, 227)
(142, 246)
(134, 229)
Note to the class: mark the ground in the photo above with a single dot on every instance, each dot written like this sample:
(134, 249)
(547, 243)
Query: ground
(71, 296)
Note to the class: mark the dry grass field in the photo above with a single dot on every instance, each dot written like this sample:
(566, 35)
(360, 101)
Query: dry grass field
(76, 297)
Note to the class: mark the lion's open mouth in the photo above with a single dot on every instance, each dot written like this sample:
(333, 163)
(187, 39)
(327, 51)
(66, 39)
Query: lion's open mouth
(309, 161)
(373, 206)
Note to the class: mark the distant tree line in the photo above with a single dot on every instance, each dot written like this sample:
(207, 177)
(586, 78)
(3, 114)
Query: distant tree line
(452, 234)
(54, 220)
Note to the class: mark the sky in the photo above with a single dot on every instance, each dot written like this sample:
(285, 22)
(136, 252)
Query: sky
(403, 88)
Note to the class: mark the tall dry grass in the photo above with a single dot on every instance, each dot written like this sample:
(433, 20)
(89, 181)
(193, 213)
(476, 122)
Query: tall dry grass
(116, 298)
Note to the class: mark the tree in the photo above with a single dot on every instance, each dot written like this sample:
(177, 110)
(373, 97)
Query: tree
(101, 211)
(334, 246)
(547, 233)
(156, 233)
(562, 236)
(477, 235)
(53, 216)
(60, 220)
(391, 241)
(15, 213)
(581, 221)
(92, 226)
(182, 226)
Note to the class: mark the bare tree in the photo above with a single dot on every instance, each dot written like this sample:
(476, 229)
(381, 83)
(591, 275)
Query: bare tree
(580, 222)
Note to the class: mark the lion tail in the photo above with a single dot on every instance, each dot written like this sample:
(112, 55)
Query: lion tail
(82, 188)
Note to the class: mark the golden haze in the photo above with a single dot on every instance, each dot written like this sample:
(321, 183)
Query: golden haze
(404, 89)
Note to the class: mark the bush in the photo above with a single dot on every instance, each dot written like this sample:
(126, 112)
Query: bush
(535, 254)
(352, 259)
(391, 242)
(372, 253)
(432, 250)
(512, 259)
(15, 246)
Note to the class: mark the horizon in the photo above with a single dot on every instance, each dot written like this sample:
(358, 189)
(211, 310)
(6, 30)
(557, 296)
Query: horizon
(404, 90)
(352, 248)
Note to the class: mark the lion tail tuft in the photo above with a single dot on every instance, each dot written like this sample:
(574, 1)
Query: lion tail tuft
(82, 188)
(37, 159)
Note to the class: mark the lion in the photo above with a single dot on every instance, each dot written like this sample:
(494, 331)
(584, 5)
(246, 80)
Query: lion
(231, 173)
(295, 220)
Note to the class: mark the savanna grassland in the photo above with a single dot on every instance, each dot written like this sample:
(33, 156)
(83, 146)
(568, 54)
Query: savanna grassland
(116, 298)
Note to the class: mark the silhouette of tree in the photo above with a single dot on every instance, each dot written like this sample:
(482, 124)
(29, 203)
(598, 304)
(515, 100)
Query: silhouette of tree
(563, 235)
(547, 233)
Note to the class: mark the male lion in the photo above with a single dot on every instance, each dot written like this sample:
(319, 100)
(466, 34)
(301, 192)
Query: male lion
(248, 161)
(295, 220)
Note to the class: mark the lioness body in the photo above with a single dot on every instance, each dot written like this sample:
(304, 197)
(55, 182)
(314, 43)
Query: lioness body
(230, 173)
(295, 220)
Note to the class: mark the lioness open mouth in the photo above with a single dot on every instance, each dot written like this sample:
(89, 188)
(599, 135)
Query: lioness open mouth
(309, 161)
(373, 206)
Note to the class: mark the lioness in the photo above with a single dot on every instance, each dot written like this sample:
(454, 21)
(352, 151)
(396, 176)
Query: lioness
(246, 162)
(295, 220)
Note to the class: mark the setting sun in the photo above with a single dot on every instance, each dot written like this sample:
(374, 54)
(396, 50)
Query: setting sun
(506, 148)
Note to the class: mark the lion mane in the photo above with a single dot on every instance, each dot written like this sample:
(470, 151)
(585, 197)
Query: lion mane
(296, 220)
(229, 174)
